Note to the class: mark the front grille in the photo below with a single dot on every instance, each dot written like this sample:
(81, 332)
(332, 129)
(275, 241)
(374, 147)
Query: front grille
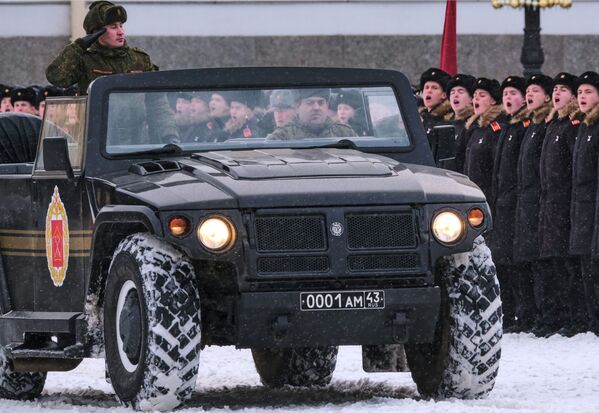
(290, 233)
(398, 262)
(276, 265)
(383, 230)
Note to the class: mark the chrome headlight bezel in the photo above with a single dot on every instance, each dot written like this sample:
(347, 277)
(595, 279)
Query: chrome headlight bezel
(448, 227)
(216, 233)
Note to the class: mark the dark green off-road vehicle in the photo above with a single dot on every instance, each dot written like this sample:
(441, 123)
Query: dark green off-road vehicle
(167, 211)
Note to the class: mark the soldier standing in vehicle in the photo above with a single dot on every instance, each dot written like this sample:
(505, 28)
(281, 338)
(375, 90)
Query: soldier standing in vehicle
(312, 120)
(584, 236)
(103, 51)
(559, 290)
(505, 181)
(436, 109)
(526, 238)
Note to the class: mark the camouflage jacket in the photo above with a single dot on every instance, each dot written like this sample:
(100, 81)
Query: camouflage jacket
(295, 130)
(78, 65)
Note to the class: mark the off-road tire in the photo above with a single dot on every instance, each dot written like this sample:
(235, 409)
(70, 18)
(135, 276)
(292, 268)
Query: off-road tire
(164, 373)
(19, 386)
(463, 360)
(298, 367)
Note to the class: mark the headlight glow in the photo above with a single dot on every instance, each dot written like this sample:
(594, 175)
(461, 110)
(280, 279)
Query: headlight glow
(216, 233)
(448, 227)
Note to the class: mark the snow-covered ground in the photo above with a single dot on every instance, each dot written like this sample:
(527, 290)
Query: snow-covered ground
(536, 375)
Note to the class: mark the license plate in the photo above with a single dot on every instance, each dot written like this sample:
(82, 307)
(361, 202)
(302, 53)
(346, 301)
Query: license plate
(342, 300)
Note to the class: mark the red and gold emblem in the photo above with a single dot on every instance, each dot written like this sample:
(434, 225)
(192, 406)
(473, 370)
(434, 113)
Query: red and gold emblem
(57, 239)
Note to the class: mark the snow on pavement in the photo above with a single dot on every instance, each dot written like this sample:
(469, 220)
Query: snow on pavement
(536, 375)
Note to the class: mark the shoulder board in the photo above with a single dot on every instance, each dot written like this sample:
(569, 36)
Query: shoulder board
(575, 122)
(140, 50)
(495, 126)
(526, 123)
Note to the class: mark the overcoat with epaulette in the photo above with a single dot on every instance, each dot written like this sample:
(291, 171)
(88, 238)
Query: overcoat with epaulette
(76, 64)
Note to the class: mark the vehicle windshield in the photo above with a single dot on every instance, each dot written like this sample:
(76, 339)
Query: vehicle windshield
(205, 120)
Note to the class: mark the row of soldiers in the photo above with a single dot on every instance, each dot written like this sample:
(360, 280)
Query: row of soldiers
(532, 146)
(29, 99)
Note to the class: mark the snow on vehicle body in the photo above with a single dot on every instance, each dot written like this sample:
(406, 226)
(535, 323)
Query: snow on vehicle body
(125, 241)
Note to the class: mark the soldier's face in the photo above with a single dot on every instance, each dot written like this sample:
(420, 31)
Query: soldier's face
(313, 110)
(512, 100)
(24, 107)
(5, 105)
(561, 96)
(219, 108)
(459, 98)
(432, 94)
(282, 115)
(588, 97)
(344, 112)
(239, 111)
(114, 36)
(482, 101)
(535, 97)
(198, 107)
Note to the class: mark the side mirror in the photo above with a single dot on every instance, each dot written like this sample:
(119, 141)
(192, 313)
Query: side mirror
(442, 142)
(56, 155)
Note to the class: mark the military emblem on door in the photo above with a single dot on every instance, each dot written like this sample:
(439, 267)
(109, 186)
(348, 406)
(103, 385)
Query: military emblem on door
(57, 239)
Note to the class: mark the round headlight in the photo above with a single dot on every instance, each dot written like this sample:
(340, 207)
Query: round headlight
(216, 233)
(448, 227)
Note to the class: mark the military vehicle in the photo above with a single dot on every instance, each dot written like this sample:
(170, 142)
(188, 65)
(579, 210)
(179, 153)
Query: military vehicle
(136, 227)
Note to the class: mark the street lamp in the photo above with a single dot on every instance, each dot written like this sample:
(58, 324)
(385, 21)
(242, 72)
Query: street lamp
(532, 56)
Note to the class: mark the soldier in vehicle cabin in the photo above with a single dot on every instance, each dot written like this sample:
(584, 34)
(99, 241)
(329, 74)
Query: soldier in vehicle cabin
(560, 290)
(312, 120)
(5, 105)
(103, 51)
(505, 180)
(526, 237)
(584, 235)
(241, 123)
(350, 110)
(460, 90)
(436, 109)
(282, 105)
(24, 100)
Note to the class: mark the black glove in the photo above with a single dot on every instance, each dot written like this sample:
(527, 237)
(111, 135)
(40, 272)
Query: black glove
(87, 41)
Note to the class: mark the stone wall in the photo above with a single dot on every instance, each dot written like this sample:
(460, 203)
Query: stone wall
(25, 58)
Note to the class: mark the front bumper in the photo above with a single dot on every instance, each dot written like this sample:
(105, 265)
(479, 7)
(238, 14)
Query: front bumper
(274, 319)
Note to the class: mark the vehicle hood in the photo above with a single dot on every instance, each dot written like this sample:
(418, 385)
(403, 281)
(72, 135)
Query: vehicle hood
(275, 178)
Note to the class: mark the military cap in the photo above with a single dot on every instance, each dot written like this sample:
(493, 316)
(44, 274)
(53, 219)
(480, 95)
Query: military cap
(250, 98)
(307, 93)
(350, 97)
(282, 98)
(103, 13)
(51, 91)
(489, 85)
(567, 79)
(205, 96)
(466, 81)
(184, 95)
(70, 91)
(26, 94)
(517, 82)
(589, 78)
(5, 91)
(542, 80)
(434, 74)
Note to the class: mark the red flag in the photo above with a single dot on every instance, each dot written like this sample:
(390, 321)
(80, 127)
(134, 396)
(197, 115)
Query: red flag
(449, 48)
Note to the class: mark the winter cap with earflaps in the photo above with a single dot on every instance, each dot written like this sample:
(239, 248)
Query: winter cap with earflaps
(435, 74)
(517, 82)
(567, 79)
(466, 81)
(542, 80)
(103, 13)
(589, 78)
(489, 85)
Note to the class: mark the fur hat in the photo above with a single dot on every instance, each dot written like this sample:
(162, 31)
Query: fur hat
(51, 91)
(517, 82)
(103, 13)
(434, 74)
(489, 85)
(250, 98)
(306, 93)
(567, 79)
(541, 80)
(26, 94)
(465, 81)
(282, 98)
(589, 78)
(350, 97)
(5, 91)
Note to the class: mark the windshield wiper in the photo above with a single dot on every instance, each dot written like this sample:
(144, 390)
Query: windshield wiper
(340, 144)
(166, 149)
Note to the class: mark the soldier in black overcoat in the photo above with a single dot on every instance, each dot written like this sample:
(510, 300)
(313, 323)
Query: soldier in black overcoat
(482, 143)
(460, 90)
(526, 239)
(501, 239)
(436, 109)
(583, 212)
(559, 291)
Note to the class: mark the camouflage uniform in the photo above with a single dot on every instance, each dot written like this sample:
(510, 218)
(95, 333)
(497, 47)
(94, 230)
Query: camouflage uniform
(295, 130)
(78, 65)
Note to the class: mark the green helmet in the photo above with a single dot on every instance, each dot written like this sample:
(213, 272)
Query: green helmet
(102, 13)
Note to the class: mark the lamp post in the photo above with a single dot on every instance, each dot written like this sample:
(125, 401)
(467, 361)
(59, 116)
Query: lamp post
(532, 56)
